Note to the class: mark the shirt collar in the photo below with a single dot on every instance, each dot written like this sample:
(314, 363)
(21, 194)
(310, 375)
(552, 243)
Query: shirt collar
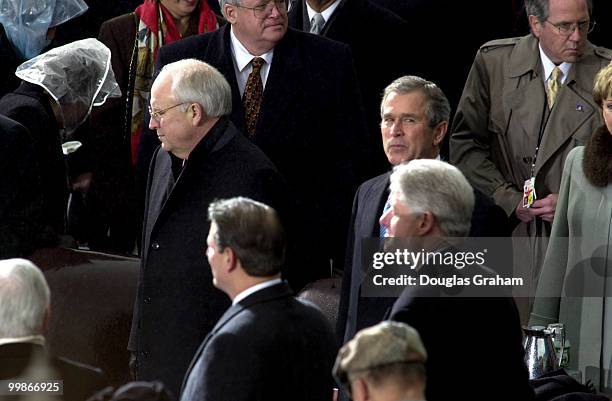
(327, 13)
(38, 340)
(255, 288)
(242, 55)
(549, 66)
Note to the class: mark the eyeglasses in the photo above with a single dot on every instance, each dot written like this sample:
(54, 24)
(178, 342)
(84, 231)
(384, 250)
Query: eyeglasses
(567, 28)
(264, 10)
(157, 115)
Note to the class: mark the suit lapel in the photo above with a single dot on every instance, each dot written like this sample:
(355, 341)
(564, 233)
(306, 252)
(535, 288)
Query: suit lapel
(267, 294)
(521, 101)
(160, 181)
(219, 53)
(573, 107)
(282, 84)
(374, 203)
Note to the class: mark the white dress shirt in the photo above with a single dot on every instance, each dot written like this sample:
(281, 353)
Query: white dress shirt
(242, 63)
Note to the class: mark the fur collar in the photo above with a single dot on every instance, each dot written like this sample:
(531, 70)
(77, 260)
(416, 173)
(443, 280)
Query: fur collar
(597, 162)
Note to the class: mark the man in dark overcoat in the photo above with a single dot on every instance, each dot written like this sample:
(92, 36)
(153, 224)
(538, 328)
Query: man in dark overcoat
(202, 157)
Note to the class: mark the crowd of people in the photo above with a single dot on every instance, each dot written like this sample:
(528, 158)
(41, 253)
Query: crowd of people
(222, 144)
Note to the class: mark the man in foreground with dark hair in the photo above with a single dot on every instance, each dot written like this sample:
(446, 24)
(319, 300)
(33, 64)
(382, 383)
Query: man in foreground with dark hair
(268, 345)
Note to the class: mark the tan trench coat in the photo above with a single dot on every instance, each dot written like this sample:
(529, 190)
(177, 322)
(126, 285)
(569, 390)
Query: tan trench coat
(495, 132)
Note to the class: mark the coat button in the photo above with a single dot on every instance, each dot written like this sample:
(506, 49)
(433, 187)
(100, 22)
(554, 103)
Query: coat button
(155, 246)
(528, 159)
(145, 354)
(147, 300)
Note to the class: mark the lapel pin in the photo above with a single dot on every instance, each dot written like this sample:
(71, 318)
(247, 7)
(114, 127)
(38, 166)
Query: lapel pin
(579, 107)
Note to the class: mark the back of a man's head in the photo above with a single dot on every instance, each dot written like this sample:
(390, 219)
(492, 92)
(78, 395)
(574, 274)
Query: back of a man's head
(253, 231)
(387, 359)
(24, 298)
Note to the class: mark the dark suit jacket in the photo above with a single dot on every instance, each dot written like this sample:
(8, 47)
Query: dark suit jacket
(270, 346)
(80, 381)
(356, 312)
(176, 303)
(310, 125)
(10, 62)
(360, 24)
(20, 191)
(474, 344)
(29, 106)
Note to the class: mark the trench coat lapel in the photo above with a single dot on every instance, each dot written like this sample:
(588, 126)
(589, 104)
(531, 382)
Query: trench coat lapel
(572, 109)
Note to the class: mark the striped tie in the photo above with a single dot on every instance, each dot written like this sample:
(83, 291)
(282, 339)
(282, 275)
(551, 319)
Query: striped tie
(383, 228)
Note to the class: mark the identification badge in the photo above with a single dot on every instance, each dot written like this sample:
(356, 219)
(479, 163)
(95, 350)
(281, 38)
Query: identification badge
(529, 194)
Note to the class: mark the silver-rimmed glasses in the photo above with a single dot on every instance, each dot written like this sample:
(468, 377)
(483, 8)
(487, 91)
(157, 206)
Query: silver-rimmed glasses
(567, 28)
(263, 10)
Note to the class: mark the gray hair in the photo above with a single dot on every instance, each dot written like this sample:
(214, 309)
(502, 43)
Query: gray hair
(194, 81)
(540, 8)
(253, 231)
(222, 4)
(437, 106)
(24, 298)
(436, 186)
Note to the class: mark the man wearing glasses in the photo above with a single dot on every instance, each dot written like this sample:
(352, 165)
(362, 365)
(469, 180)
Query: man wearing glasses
(295, 96)
(202, 157)
(526, 103)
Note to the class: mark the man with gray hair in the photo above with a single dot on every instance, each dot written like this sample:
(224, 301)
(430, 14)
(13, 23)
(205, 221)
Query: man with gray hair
(414, 116)
(430, 201)
(526, 103)
(202, 157)
(25, 311)
(385, 362)
(268, 345)
(296, 96)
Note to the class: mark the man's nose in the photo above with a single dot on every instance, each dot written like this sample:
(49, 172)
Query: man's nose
(153, 124)
(577, 35)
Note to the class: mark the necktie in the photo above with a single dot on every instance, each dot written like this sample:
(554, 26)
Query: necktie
(383, 228)
(253, 93)
(553, 85)
(316, 24)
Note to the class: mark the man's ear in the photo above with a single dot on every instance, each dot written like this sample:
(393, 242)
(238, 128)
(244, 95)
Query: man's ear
(46, 320)
(230, 13)
(360, 390)
(535, 25)
(198, 115)
(439, 132)
(427, 223)
(230, 258)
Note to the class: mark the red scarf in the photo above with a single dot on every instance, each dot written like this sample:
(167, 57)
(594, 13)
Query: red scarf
(148, 13)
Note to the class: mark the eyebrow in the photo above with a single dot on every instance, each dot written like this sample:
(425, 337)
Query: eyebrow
(401, 115)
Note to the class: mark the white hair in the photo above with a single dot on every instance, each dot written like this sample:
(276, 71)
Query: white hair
(194, 81)
(438, 187)
(24, 298)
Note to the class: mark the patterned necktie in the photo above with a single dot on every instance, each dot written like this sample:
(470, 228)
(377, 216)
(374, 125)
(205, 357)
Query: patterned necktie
(316, 24)
(383, 228)
(553, 85)
(253, 93)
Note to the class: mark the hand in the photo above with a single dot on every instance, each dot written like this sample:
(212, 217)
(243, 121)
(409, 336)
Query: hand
(82, 182)
(543, 208)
